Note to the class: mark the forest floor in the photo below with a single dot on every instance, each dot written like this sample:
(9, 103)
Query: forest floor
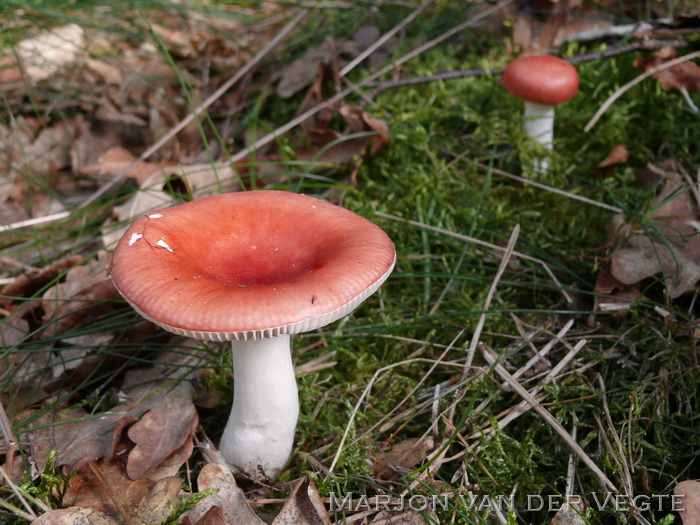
(533, 357)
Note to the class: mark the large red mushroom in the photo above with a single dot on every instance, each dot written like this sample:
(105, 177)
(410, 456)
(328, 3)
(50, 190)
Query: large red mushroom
(252, 268)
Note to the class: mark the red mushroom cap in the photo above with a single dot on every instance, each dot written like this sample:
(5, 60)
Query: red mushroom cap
(250, 264)
(543, 79)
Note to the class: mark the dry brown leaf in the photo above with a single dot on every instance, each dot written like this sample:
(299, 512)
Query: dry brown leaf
(27, 284)
(78, 442)
(403, 457)
(670, 245)
(303, 71)
(685, 75)
(229, 498)
(623, 296)
(115, 160)
(89, 148)
(107, 73)
(85, 439)
(157, 506)
(303, 506)
(66, 303)
(689, 507)
(214, 516)
(569, 514)
(29, 145)
(345, 148)
(617, 155)
(74, 516)
(105, 487)
(12, 330)
(164, 429)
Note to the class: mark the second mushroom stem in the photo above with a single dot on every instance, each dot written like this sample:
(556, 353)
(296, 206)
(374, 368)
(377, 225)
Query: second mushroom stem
(265, 407)
(538, 123)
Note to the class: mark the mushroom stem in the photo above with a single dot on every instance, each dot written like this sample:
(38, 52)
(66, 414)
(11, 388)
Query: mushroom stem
(259, 435)
(538, 123)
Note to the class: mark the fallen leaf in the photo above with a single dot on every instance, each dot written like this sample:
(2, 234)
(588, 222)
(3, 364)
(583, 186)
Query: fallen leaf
(105, 487)
(27, 285)
(165, 428)
(402, 458)
(336, 148)
(78, 438)
(115, 160)
(612, 295)
(302, 72)
(158, 504)
(66, 303)
(569, 514)
(214, 516)
(670, 244)
(685, 75)
(303, 506)
(689, 504)
(617, 155)
(229, 498)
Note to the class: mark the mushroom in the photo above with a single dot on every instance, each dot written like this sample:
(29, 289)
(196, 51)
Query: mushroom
(252, 268)
(542, 81)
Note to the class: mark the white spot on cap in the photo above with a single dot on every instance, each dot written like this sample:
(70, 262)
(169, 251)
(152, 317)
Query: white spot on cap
(155, 215)
(164, 244)
(134, 237)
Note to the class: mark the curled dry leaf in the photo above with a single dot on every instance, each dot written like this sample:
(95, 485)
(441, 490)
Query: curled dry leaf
(685, 75)
(403, 457)
(669, 244)
(611, 294)
(302, 72)
(374, 135)
(617, 155)
(689, 508)
(303, 507)
(214, 516)
(229, 498)
(103, 486)
(66, 303)
(80, 439)
(157, 506)
(28, 284)
(569, 514)
(165, 428)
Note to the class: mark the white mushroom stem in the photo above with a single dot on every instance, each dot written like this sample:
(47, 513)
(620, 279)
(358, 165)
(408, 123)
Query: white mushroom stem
(538, 123)
(259, 435)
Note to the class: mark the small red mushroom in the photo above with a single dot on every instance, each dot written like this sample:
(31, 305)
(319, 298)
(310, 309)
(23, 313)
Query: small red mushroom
(252, 268)
(542, 81)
